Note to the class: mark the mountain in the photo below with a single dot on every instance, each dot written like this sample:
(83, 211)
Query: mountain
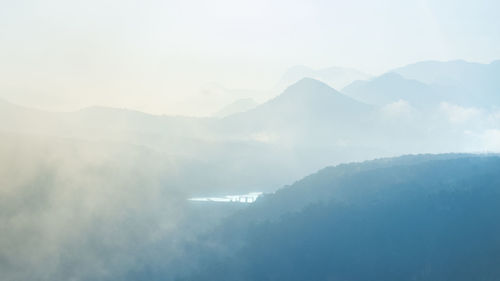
(426, 84)
(237, 106)
(117, 123)
(100, 123)
(312, 119)
(460, 82)
(204, 158)
(439, 72)
(308, 126)
(20, 119)
(312, 95)
(412, 218)
(392, 87)
(336, 77)
(306, 102)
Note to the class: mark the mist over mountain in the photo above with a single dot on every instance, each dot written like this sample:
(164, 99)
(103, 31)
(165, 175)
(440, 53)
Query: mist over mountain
(336, 77)
(105, 189)
(439, 72)
(249, 140)
(460, 82)
(392, 87)
(237, 106)
(306, 127)
(431, 82)
(305, 103)
(75, 209)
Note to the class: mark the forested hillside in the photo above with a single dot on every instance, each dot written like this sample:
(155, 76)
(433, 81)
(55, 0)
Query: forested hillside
(410, 218)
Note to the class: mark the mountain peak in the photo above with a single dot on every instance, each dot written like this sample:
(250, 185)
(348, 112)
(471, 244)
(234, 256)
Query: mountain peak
(389, 75)
(309, 85)
(337, 77)
(313, 94)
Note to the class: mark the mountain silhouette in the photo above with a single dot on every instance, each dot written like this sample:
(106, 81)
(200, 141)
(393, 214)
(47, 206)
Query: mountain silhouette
(336, 77)
(416, 217)
(460, 82)
(392, 87)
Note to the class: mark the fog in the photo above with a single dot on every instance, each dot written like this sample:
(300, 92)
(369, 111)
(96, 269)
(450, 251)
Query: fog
(181, 140)
(78, 210)
(102, 193)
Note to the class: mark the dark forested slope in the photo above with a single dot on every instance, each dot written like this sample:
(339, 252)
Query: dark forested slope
(411, 218)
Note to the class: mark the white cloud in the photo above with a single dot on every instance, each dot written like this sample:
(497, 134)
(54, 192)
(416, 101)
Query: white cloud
(458, 114)
(494, 118)
(491, 140)
(264, 137)
(398, 108)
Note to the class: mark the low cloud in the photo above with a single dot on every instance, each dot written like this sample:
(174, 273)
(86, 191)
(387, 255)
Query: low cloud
(491, 140)
(458, 114)
(75, 210)
(398, 108)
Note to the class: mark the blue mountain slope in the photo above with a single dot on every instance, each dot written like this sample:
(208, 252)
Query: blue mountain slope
(392, 87)
(412, 218)
(461, 82)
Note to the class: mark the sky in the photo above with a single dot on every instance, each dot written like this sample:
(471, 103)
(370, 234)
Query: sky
(183, 57)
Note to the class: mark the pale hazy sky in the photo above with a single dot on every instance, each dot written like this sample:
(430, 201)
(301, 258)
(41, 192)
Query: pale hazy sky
(162, 56)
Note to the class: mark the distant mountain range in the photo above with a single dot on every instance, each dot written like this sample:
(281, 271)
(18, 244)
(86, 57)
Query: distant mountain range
(336, 77)
(392, 87)
(237, 106)
(306, 127)
(427, 83)
(423, 84)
